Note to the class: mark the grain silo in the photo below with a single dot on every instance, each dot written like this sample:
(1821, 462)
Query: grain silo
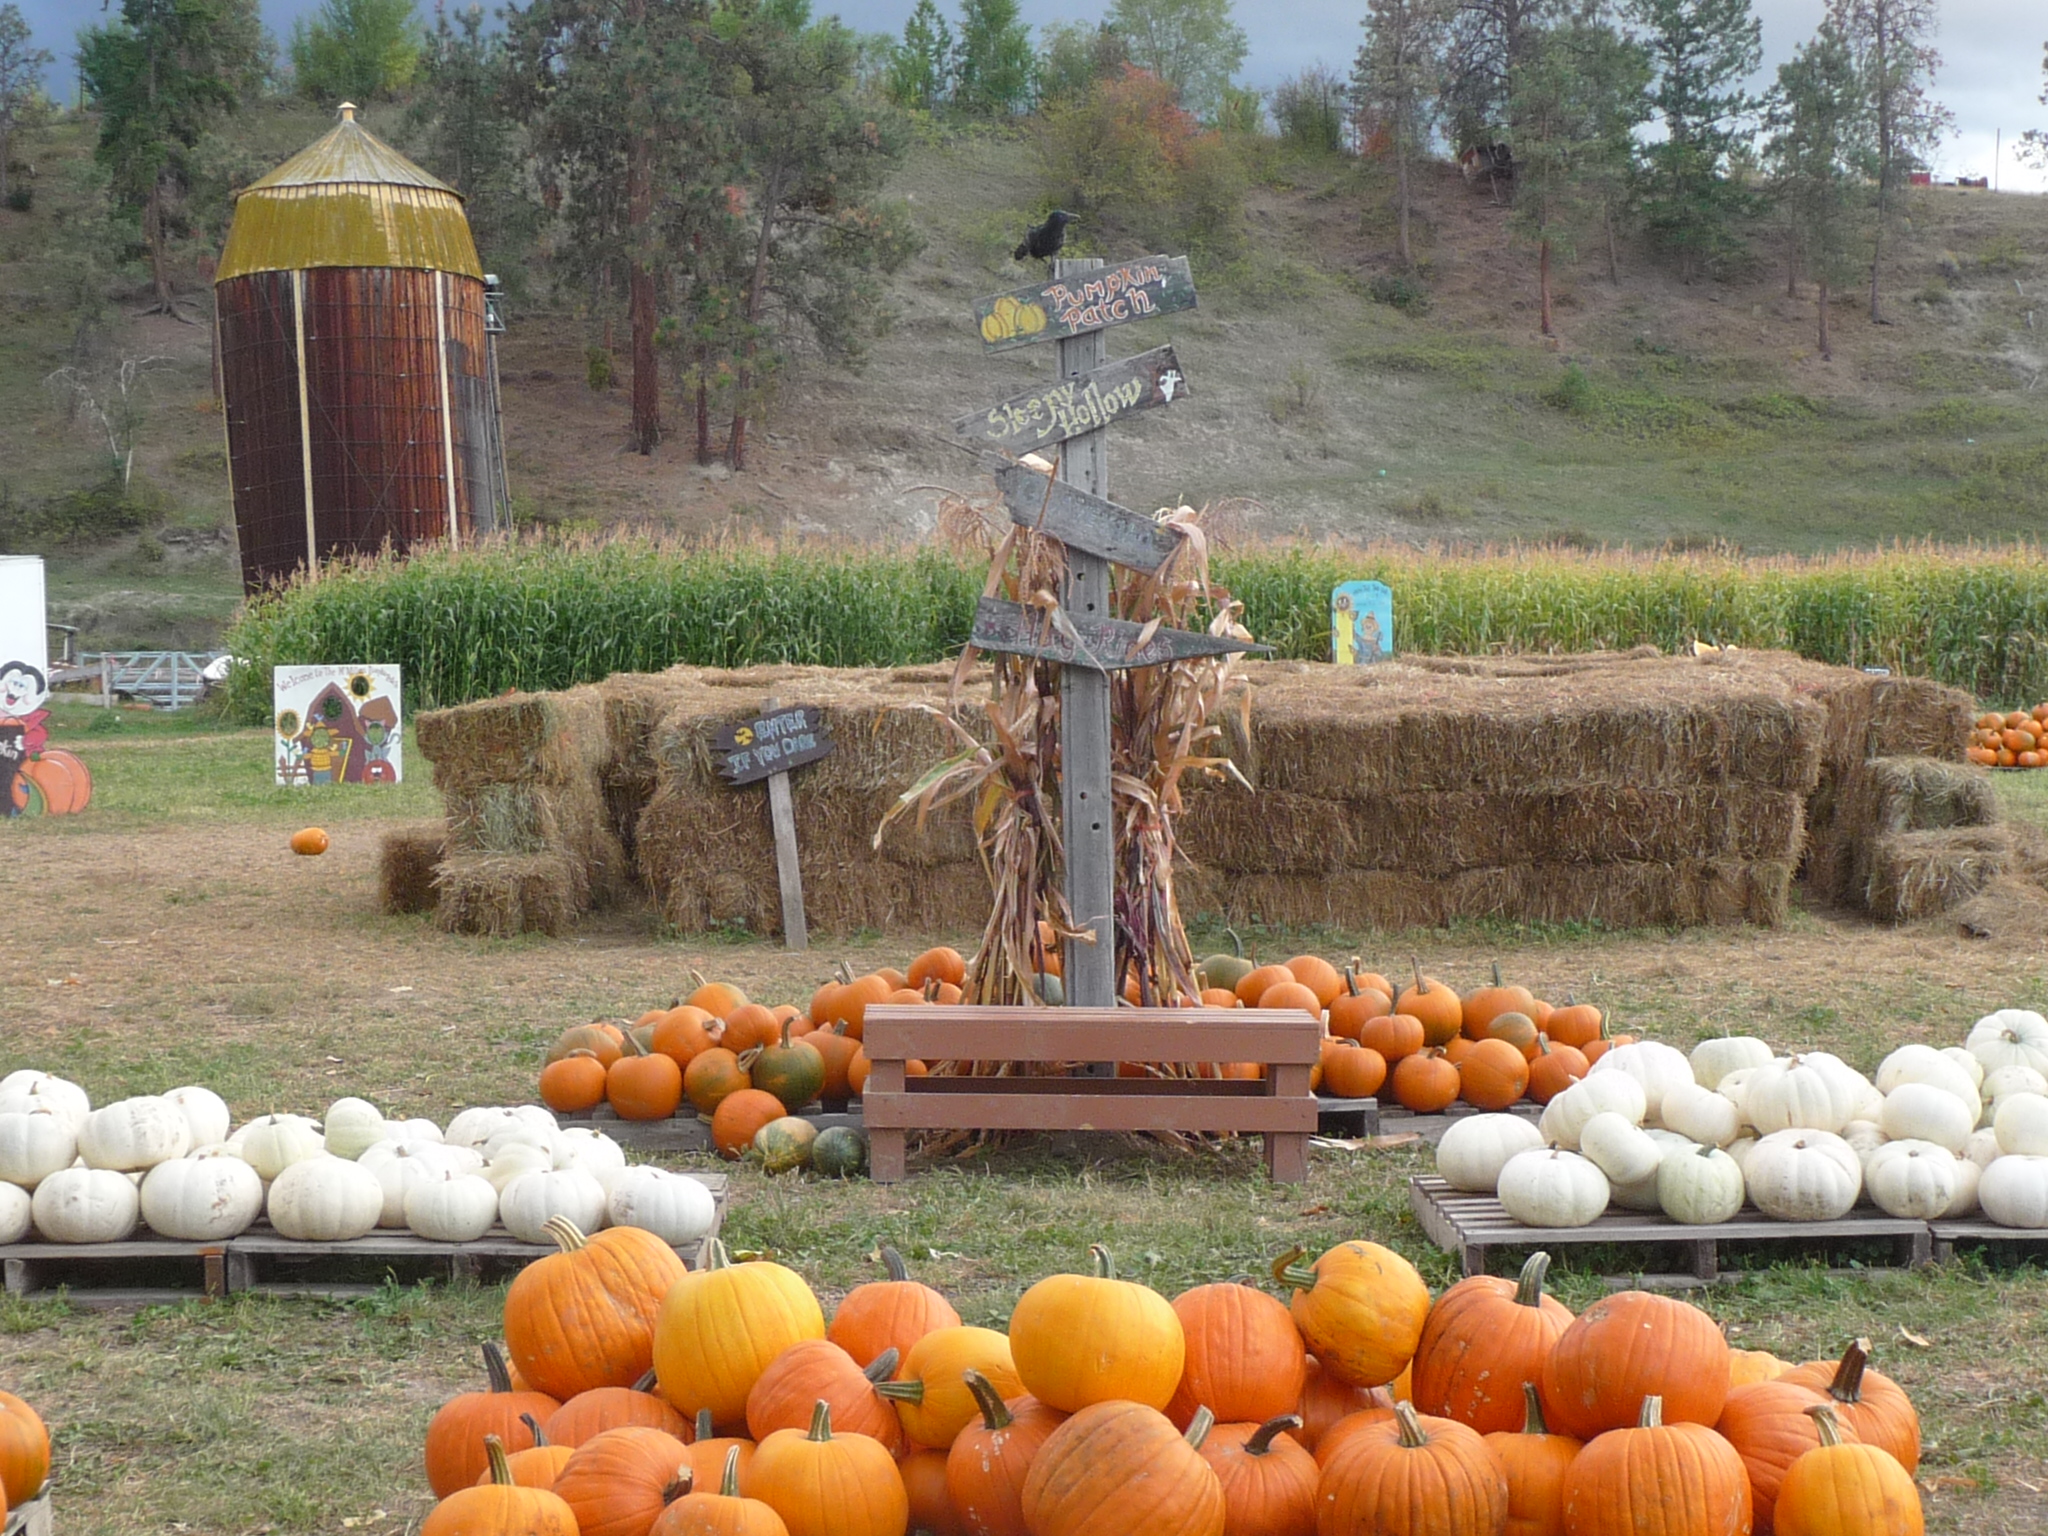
(357, 364)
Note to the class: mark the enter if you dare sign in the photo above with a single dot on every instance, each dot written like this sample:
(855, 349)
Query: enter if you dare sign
(776, 742)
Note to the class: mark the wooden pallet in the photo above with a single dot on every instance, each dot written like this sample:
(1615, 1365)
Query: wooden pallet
(1347, 1117)
(30, 1519)
(1472, 1226)
(153, 1270)
(689, 1132)
(1947, 1234)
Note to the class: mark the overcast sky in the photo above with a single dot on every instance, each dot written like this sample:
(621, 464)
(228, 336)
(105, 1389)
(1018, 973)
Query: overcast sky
(1990, 77)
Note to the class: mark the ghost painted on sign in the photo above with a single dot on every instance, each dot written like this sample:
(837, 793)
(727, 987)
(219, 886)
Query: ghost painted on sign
(1361, 623)
(36, 779)
(337, 725)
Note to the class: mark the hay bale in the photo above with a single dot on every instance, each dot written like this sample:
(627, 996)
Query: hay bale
(519, 738)
(505, 894)
(1922, 874)
(1883, 798)
(406, 863)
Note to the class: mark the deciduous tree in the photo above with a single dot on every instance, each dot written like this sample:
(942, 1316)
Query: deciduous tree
(1073, 56)
(1396, 84)
(1487, 39)
(1821, 155)
(1193, 45)
(21, 84)
(1703, 50)
(992, 63)
(356, 49)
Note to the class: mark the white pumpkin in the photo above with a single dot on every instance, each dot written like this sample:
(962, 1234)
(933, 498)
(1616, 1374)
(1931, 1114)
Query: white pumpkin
(2021, 1125)
(1642, 1194)
(1923, 1112)
(1620, 1150)
(516, 1161)
(133, 1134)
(1548, 1188)
(1968, 1173)
(528, 1203)
(1739, 1149)
(1924, 1064)
(17, 1213)
(523, 1133)
(352, 1125)
(86, 1205)
(1803, 1174)
(272, 1143)
(1913, 1180)
(1473, 1150)
(1566, 1115)
(2013, 1191)
(32, 1090)
(35, 1143)
(1865, 1137)
(2010, 1037)
(1654, 1065)
(1702, 1115)
(596, 1153)
(325, 1199)
(1792, 1093)
(2014, 1077)
(474, 1127)
(205, 1111)
(413, 1130)
(452, 1207)
(1982, 1147)
(1718, 1055)
(201, 1199)
(1969, 1063)
(673, 1206)
(1699, 1186)
(536, 1114)
(1732, 1086)
(403, 1171)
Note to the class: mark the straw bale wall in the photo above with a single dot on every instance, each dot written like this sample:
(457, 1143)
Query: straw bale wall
(1631, 789)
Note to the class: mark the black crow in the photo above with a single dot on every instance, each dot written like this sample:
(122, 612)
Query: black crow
(1044, 240)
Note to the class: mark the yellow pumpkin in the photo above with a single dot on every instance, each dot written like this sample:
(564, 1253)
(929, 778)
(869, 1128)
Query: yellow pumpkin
(722, 1326)
(1360, 1307)
(1081, 1339)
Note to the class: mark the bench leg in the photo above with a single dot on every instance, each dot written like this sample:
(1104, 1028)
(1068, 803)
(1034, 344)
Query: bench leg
(885, 1156)
(1706, 1259)
(215, 1261)
(1286, 1157)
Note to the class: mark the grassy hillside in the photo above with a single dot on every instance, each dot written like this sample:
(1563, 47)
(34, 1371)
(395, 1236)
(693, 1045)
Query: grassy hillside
(1662, 414)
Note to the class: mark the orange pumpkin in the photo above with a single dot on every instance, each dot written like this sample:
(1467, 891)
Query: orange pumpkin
(1354, 1007)
(750, 1025)
(1871, 1405)
(722, 1326)
(1319, 976)
(992, 1455)
(455, 1435)
(1242, 1358)
(738, 1116)
(703, 1512)
(1253, 984)
(931, 1392)
(931, 1502)
(1844, 1489)
(1575, 1024)
(1326, 1402)
(309, 841)
(538, 1465)
(715, 997)
(573, 1084)
(712, 1077)
(837, 1050)
(601, 1408)
(24, 1452)
(1435, 1004)
(1393, 1035)
(1482, 1340)
(1485, 1004)
(1535, 1463)
(856, 998)
(602, 1038)
(643, 1084)
(1119, 1468)
(1268, 1480)
(584, 1317)
(499, 1505)
(1291, 994)
(1602, 1043)
(1769, 1424)
(618, 1482)
(1414, 1476)
(823, 1484)
(1425, 1082)
(817, 1370)
(1493, 1075)
(709, 1451)
(1554, 1069)
(1518, 1029)
(1350, 1427)
(1351, 1070)
(1685, 1472)
(889, 1314)
(1081, 1339)
(940, 964)
(1629, 1347)
(1747, 1365)
(1360, 1308)
(1220, 997)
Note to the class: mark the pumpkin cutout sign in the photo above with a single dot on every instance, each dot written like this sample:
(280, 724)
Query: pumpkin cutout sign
(36, 779)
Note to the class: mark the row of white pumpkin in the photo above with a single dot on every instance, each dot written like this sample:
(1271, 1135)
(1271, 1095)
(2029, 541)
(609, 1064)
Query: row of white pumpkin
(82, 1175)
(1940, 1134)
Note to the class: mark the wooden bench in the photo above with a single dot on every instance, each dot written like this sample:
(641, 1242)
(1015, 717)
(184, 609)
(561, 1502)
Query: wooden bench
(1279, 1106)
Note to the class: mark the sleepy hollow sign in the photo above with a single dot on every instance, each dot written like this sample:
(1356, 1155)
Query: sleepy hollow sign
(776, 742)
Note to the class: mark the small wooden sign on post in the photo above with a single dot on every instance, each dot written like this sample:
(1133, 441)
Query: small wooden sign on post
(768, 747)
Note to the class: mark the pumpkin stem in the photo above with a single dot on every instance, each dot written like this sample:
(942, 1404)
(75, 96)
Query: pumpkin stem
(994, 1413)
(1105, 1266)
(1823, 1416)
(568, 1237)
(1236, 944)
(1288, 1272)
(1653, 1413)
(494, 1367)
(1261, 1442)
(1421, 984)
(1351, 979)
(729, 1483)
(1199, 1427)
(715, 1256)
(1529, 1289)
(1532, 1416)
(883, 1366)
(629, 1045)
(911, 1391)
(1411, 1436)
(646, 1381)
(748, 1057)
(684, 1480)
(705, 1428)
(1847, 1387)
(821, 1421)
(501, 1469)
(533, 1428)
(785, 1032)
(1496, 975)
(1542, 1043)
(892, 1261)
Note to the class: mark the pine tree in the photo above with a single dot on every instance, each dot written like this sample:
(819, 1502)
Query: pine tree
(992, 62)
(356, 49)
(921, 66)
(21, 74)
(1488, 39)
(1395, 85)
(1703, 50)
(467, 135)
(1820, 154)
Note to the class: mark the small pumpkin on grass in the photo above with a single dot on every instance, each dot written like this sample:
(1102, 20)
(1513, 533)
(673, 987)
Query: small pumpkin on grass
(720, 1513)
(1483, 1340)
(310, 842)
(785, 1143)
(992, 1455)
(739, 1118)
(1841, 1488)
(840, 1152)
(1360, 1307)
(455, 1436)
(1082, 1339)
(499, 1506)
(1268, 1480)
(585, 1316)
(823, 1484)
(721, 1326)
(1121, 1469)
(889, 1314)
(1413, 1476)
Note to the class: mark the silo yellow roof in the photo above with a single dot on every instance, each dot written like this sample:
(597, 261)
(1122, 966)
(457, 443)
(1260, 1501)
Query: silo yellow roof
(348, 200)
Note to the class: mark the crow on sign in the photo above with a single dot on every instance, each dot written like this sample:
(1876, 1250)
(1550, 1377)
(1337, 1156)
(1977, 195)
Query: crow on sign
(1044, 240)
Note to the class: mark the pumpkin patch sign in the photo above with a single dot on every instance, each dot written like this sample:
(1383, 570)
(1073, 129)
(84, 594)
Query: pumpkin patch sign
(337, 725)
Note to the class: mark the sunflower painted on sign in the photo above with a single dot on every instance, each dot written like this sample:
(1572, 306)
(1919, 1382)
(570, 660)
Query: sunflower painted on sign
(337, 725)
(360, 687)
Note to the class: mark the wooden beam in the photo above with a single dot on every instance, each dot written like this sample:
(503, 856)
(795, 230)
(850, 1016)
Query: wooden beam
(1084, 522)
(1052, 413)
(1083, 296)
(305, 422)
(1096, 645)
(447, 412)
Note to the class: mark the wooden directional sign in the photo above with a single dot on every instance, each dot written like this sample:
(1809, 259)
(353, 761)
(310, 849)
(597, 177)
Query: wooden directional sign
(772, 743)
(1088, 301)
(1100, 645)
(1066, 408)
(1084, 522)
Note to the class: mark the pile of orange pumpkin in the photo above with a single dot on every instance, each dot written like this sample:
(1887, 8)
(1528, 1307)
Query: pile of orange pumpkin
(24, 1454)
(2015, 740)
(645, 1401)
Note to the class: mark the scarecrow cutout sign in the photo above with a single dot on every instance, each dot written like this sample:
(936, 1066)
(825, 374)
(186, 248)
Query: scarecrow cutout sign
(1361, 623)
(337, 725)
(36, 779)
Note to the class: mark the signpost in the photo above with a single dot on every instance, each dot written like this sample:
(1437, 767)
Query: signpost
(1073, 308)
(768, 747)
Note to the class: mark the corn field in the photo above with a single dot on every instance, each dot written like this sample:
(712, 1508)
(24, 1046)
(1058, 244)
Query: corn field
(530, 616)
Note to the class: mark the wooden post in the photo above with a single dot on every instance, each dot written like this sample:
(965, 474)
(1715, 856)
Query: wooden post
(106, 681)
(447, 414)
(305, 423)
(796, 933)
(1086, 823)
